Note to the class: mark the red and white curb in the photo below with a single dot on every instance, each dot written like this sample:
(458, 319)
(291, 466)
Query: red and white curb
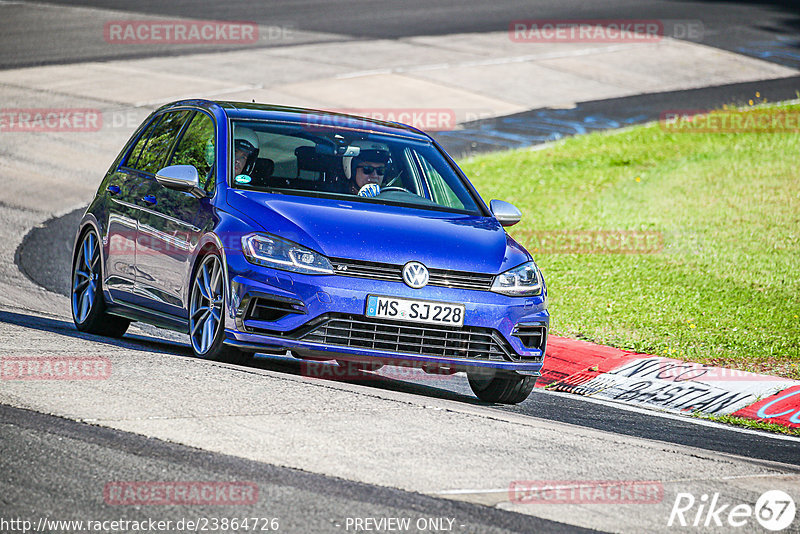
(667, 384)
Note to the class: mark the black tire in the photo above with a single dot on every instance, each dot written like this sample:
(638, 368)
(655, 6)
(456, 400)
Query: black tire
(207, 300)
(502, 389)
(359, 366)
(86, 296)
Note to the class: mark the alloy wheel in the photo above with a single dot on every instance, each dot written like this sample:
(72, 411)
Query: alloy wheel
(85, 279)
(207, 299)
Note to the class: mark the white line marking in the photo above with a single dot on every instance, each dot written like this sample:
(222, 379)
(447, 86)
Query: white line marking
(487, 62)
(678, 480)
(676, 417)
(209, 95)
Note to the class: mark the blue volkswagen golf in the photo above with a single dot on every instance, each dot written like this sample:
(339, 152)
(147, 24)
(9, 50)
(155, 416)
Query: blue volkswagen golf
(257, 228)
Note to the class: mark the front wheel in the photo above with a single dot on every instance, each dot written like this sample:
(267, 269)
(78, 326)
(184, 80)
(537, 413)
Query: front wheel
(502, 389)
(88, 307)
(207, 314)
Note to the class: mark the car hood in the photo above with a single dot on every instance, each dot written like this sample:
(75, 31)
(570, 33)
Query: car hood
(383, 233)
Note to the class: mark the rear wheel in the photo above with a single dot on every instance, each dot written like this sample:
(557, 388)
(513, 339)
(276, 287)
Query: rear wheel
(207, 313)
(503, 389)
(88, 305)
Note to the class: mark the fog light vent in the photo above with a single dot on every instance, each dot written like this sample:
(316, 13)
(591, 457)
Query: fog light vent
(266, 309)
(533, 336)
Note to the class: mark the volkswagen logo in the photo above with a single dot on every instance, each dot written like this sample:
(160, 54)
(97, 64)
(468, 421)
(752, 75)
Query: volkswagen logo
(415, 274)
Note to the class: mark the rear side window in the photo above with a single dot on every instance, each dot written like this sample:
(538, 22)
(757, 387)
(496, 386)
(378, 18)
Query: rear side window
(163, 136)
(196, 147)
(133, 157)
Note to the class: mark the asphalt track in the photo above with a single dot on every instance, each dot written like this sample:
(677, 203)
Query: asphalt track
(44, 256)
(767, 29)
(542, 125)
(32, 439)
(308, 501)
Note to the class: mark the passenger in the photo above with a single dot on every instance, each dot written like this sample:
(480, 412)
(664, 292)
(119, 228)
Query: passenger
(246, 151)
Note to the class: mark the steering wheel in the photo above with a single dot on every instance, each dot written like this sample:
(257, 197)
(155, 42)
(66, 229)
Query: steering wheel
(395, 188)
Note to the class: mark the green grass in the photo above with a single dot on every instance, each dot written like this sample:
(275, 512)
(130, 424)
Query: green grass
(750, 423)
(725, 289)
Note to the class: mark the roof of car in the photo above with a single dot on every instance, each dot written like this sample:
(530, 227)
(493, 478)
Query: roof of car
(314, 117)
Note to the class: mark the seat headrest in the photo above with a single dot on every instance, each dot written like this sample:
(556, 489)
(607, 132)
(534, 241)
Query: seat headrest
(309, 160)
(263, 168)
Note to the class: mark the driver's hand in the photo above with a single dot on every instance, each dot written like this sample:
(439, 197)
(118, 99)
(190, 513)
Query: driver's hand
(369, 190)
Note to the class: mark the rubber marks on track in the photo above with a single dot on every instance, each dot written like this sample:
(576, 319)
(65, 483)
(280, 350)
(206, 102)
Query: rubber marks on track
(667, 384)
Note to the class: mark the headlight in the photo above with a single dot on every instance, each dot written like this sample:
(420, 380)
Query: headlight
(278, 253)
(522, 281)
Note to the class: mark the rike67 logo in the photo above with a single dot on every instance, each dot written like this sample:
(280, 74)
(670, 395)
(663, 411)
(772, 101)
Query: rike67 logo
(774, 510)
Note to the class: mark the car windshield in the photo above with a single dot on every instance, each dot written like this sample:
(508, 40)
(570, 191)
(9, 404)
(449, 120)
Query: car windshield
(323, 161)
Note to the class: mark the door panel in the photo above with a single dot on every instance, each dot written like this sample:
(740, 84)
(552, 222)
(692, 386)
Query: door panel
(120, 242)
(168, 228)
(165, 245)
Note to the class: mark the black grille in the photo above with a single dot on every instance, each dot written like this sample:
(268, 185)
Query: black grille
(533, 336)
(429, 340)
(266, 309)
(394, 273)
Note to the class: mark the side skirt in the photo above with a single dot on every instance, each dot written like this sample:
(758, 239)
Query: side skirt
(145, 315)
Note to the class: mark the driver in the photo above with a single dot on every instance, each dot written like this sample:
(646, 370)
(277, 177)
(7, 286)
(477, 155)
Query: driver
(246, 152)
(367, 170)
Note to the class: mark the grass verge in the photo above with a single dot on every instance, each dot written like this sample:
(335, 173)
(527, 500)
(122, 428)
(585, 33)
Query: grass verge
(750, 423)
(725, 288)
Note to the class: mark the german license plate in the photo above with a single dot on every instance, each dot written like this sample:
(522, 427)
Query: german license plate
(415, 311)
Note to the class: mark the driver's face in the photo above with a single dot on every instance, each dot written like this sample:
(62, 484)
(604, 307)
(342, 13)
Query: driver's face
(363, 178)
(239, 162)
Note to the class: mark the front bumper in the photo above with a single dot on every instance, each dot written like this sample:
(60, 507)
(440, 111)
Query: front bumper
(329, 302)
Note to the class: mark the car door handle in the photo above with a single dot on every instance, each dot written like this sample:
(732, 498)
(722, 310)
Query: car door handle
(150, 200)
(113, 190)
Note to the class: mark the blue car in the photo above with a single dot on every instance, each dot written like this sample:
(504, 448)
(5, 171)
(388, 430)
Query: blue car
(257, 228)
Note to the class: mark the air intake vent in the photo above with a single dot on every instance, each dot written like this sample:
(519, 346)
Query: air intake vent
(429, 340)
(533, 336)
(266, 309)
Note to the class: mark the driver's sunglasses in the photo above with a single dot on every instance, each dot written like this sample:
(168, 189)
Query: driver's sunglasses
(369, 169)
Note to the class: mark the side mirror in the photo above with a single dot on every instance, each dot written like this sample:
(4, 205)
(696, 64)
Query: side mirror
(181, 178)
(506, 213)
